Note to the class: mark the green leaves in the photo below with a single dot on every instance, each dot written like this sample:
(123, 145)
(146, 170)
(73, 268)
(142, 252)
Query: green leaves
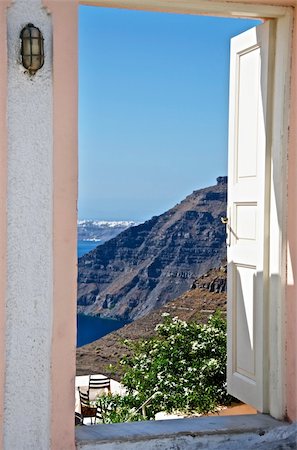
(185, 362)
(116, 408)
(183, 367)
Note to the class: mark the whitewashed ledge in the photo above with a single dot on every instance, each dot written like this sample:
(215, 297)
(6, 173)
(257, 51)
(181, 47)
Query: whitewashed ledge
(244, 432)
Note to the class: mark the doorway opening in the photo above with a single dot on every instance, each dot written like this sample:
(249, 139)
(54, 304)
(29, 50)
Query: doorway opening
(277, 199)
(156, 133)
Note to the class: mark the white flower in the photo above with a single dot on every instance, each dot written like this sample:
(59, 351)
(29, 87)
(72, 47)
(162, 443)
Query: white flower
(195, 345)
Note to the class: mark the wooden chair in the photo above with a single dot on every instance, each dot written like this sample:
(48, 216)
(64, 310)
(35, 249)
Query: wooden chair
(98, 382)
(78, 419)
(87, 410)
(100, 411)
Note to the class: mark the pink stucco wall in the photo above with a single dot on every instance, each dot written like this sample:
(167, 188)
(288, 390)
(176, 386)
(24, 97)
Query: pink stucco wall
(65, 180)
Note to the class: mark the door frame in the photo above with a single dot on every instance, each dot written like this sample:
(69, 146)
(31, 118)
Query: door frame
(65, 181)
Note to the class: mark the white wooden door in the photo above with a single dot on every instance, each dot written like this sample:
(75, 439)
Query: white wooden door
(251, 77)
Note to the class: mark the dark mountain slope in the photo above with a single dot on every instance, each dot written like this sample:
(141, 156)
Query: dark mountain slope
(207, 294)
(147, 265)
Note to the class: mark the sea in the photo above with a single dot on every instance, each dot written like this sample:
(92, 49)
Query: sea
(84, 247)
(91, 328)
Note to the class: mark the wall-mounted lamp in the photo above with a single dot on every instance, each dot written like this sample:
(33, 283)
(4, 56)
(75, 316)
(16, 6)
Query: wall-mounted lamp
(32, 48)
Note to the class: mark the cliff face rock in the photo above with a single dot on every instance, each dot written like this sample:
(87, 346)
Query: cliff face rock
(195, 304)
(213, 281)
(147, 265)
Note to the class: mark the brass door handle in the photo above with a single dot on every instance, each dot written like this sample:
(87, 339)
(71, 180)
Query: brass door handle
(227, 222)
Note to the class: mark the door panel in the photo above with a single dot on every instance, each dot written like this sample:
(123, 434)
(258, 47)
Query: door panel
(244, 320)
(248, 187)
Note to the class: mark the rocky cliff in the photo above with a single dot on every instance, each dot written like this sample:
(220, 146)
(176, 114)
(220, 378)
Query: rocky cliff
(147, 265)
(206, 295)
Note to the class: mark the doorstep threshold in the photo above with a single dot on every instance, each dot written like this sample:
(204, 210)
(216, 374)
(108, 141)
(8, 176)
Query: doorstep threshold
(112, 435)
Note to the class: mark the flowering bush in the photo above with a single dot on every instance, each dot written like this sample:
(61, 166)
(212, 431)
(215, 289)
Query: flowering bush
(116, 408)
(184, 366)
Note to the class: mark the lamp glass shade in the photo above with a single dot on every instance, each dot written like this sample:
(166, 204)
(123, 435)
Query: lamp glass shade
(32, 48)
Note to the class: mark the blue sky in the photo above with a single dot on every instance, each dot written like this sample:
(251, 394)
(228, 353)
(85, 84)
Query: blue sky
(153, 109)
